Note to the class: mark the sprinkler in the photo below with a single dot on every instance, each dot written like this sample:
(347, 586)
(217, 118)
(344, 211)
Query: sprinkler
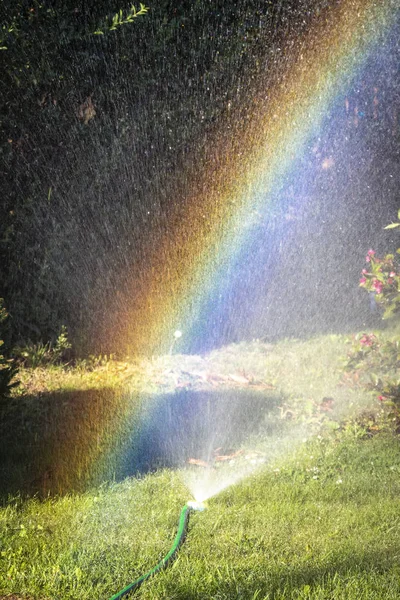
(179, 539)
(200, 506)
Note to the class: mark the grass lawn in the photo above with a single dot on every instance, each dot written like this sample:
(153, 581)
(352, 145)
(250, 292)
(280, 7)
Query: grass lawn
(325, 525)
(321, 522)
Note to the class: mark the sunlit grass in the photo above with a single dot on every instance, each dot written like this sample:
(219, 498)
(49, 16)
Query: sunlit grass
(111, 373)
(314, 526)
(321, 523)
(302, 368)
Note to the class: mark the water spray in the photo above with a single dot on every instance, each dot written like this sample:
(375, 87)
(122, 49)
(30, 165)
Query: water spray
(178, 541)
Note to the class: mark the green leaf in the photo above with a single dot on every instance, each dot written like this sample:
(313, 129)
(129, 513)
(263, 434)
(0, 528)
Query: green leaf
(374, 378)
(388, 312)
(375, 267)
(392, 226)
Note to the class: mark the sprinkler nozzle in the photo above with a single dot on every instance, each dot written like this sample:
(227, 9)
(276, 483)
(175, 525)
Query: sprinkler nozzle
(196, 505)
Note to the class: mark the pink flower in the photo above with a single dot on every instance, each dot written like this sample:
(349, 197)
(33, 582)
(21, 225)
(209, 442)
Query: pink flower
(369, 254)
(364, 271)
(381, 398)
(390, 280)
(378, 286)
(367, 340)
(363, 281)
(392, 274)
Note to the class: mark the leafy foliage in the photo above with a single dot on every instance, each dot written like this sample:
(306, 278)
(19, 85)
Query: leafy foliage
(42, 354)
(94, 130)
(390, 397)
(120, 19)
(8, 368)
(372, 354)
(382, 278)
(374, 364)
(78, 111)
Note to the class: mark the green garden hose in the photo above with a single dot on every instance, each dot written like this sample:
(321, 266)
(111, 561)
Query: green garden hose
(179, 538)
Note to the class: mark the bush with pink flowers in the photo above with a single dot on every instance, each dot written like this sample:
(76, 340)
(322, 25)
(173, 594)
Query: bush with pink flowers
(370, 355)
(373, 363)
(382, 277)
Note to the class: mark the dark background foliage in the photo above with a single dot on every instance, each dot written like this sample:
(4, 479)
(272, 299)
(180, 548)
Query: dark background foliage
(100, 133)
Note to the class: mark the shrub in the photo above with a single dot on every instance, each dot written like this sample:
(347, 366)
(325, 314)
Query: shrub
(374, 364)
(8, 368)
(370, 354)
(382, 278)
(42, 354)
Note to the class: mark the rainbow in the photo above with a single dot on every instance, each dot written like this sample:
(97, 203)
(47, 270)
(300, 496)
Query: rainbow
(246, 164)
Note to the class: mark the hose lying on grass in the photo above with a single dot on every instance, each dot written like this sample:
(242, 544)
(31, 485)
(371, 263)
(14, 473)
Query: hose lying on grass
(179, 539)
